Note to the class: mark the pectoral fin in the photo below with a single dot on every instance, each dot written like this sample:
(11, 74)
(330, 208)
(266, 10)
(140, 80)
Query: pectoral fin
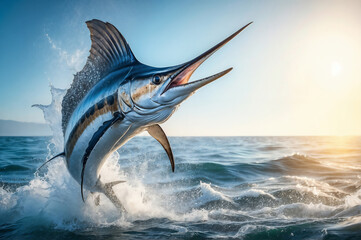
(157, 132)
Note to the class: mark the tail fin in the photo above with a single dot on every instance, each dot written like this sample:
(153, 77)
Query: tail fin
(58, 155)
(109, 192)
(107, 189)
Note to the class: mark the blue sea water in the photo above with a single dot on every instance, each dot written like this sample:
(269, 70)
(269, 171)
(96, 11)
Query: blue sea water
(222, 188)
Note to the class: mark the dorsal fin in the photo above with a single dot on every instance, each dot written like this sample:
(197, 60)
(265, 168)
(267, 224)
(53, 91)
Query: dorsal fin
(109, 51)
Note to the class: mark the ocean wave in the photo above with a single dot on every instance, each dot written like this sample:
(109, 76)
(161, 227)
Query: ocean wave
(13, 167)
(242, 188)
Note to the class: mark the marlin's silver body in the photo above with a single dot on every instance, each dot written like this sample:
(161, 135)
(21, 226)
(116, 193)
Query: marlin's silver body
(114, 98)
(118, 85)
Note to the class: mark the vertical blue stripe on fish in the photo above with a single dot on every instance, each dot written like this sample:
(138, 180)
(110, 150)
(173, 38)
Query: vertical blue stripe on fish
(117, 116)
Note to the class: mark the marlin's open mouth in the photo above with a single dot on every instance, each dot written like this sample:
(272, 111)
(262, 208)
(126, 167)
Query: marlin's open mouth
(182, 76)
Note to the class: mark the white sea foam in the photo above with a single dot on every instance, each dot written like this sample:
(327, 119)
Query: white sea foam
(209, 194)
(255, 193)
(353, 199)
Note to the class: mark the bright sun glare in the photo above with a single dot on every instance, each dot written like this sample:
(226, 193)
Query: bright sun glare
(336, 68)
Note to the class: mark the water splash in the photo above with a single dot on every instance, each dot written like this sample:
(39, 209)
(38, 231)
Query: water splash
(53, 196)
(52, 116)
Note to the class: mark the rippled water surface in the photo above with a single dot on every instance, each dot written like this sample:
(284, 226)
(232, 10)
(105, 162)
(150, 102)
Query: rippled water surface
(223, 187)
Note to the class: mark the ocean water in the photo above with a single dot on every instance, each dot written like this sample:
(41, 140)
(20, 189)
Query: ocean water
(222, 188)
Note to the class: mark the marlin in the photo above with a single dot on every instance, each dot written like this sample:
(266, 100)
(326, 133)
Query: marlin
(114, 98)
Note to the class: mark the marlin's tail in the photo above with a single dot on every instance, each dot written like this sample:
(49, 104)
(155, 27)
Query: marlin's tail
(107, 189)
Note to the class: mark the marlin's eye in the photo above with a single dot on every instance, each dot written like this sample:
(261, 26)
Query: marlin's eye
(156, 79)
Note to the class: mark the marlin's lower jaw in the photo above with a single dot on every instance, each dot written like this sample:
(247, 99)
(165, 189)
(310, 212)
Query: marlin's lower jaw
(188, 88)
(178, 84)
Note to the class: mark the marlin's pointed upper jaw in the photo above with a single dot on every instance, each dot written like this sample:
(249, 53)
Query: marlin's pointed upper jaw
(181, 76)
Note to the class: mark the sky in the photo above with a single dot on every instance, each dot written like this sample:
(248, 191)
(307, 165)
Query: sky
(296, 69)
